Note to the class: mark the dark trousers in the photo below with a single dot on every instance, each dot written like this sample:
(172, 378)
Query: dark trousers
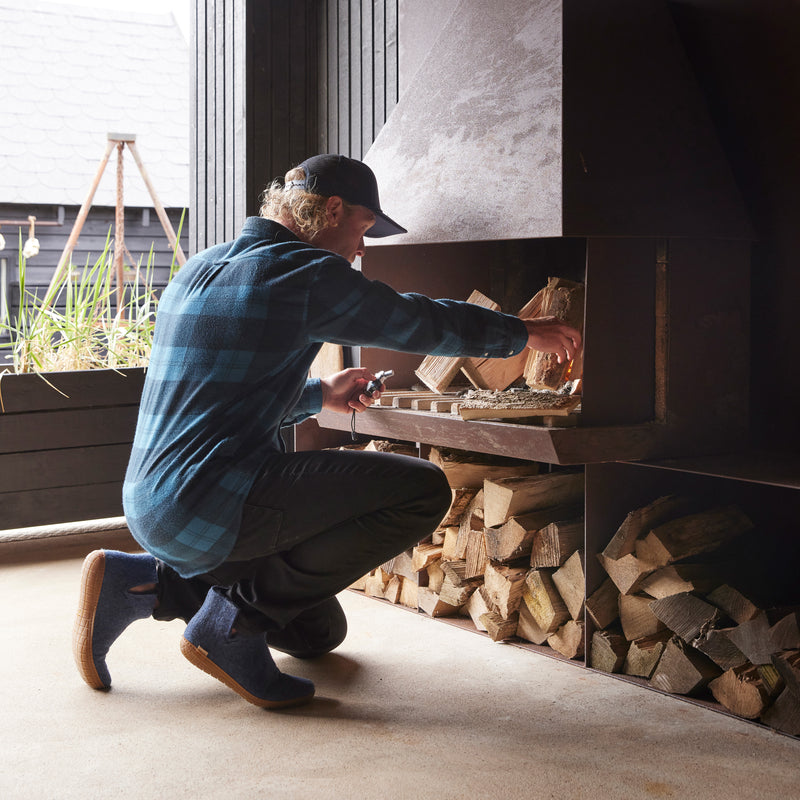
(314, 523)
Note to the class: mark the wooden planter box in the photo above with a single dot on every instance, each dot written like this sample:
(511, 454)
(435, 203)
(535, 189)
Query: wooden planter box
(63, 459)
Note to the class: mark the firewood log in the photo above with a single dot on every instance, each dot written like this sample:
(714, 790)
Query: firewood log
(556, 542)
(784, 714)
(716, 644)
(641, 521)
(477, 606)
(733, 603)
(644, 654)
(409, 593)
(543, 601)
(788, 666)
(691, 535)
(504, 587)
(509, 541)
(434, 576)
(430, 603)
(628, 572)
(471, 520)
(686, 614)
(437, 372)
(602, 605)
(682, 669)
(360, 584)
(785, 633)
(528, 628)
(508, 497)
(679, 578)
(742, 691)
(424, 554)
(450, 544)
(568, 640)
(393, 589)
(609, 649)
(517, 537)
(468, 470)
(475, 554)
(570, 580)
(637, 617)
(403, 565)
(376, 583)
(456, 594)
(754, 639)
(461, 500)
(499, 628)
(563, 299)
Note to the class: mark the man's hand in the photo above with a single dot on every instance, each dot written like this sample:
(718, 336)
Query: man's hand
(551, 335)
(344, 391)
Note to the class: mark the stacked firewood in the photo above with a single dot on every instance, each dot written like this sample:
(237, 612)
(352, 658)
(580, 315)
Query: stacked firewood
(666, 613)
(508, 554)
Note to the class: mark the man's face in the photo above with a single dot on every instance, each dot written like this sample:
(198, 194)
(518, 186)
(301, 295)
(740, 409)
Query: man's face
(344, 234)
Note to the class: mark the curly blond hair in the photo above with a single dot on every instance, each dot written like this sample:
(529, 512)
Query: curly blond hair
(303, 210)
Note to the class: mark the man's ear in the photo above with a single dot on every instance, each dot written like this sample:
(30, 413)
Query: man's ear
(334, 210)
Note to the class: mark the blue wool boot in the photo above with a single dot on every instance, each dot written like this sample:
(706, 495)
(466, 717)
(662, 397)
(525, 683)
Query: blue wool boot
(241, 661)
(107, 606)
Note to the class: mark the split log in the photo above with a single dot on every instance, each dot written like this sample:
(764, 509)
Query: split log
(788, 666)
(518, 535)
(450, 544)
(403, 565)
(472, 520)
(569, 639)
(437, 372)
(393, 589)
(424, 554)
(409, 594)
(499, 628)
(528, 628)
(644, 654)
(500, 373)
(456, 595)
(467, 470)
(556, 542)
(475, 554)
(637, 617)
(682, 669)
(477, 606)
(434, 575)
(716, 644)
(361, 584)
(603, 604)
(641, 521)
(628, 572)
(383, 446)
(693, 534)
(742, 691)
(504, 587)
(733, 603)
(437, 537)
(563, 299)
(609, 649)
(508, 497)
(679, 578)
(686, 615)
(784, 714)
(376, 583)
(430, 603)
(543, 601)
(785, 633)
(461, 500)
(754, 639)
(455, 572)
(570, 580)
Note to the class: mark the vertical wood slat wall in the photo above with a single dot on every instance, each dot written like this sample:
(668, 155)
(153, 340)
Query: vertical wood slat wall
(275, 81)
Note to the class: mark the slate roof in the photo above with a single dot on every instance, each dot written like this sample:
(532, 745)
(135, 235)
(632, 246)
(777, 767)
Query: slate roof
(70, 75)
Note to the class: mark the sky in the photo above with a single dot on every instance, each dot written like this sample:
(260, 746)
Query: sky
(180, 8)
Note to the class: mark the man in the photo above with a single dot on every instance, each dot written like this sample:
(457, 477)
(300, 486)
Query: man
(247, 543)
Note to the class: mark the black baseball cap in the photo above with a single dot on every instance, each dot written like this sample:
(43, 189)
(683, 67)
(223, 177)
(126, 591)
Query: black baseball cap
(352, 180)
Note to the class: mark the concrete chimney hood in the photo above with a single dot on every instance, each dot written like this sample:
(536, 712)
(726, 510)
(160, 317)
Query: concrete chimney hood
(550, 118)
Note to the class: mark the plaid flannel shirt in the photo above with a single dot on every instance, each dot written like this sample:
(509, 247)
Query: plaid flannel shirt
(236, 331)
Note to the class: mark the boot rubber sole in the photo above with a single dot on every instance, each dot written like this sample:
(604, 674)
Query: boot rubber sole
(199, 657)
(94, 567)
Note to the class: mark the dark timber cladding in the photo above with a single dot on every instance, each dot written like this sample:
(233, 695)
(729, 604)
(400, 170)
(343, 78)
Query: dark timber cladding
(274, 82)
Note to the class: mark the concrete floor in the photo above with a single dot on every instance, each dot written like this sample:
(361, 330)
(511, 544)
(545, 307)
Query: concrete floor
(408, 707)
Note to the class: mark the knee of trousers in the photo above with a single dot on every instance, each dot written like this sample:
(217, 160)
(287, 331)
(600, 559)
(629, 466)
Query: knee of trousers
(435, 494)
